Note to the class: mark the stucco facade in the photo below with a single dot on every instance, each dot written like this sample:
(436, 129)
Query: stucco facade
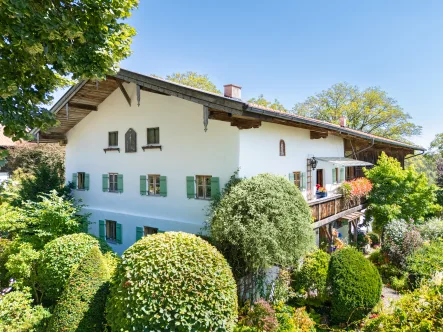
(187, 150)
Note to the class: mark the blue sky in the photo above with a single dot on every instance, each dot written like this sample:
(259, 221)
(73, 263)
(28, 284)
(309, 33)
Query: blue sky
(293, 49)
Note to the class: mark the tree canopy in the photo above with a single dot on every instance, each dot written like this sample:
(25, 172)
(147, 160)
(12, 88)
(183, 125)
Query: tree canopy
(260, 100)
(46, 45)
(398, 193)
(370, 110)
(194, 80)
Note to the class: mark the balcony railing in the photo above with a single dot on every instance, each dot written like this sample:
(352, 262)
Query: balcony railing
(329, 206)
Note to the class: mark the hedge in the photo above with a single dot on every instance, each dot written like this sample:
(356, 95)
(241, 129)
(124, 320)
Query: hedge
(82, 305)
(59, 258)
(355, 285)
(172, 282)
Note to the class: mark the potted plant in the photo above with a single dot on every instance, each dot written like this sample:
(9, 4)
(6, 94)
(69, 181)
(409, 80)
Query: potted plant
(321, 191)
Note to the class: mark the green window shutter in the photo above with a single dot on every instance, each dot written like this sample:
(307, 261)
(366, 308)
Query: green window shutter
(74, 180)
(304, 181)
(215, 187)
(163, 186)
(86, 181)
(120, 182)
(160, 231)
(118, 233)
(334, 175)
(105, 182)
(190, 186)
(342, 174)
(143, 185)
(291, 177)
(138, 233)
(101, 229)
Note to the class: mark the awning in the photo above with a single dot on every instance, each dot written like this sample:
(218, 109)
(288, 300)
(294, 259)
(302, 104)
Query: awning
(344, 162)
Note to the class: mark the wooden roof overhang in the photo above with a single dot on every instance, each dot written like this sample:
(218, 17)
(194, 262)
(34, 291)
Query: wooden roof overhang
(86, 96)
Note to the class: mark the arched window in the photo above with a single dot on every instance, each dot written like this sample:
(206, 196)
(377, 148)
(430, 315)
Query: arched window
(131, 141)
(282, 148)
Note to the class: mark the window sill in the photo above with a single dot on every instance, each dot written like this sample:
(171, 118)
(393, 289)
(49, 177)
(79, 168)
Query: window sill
(113, 192)
(111, 149)
(152, 146)
(112, 241)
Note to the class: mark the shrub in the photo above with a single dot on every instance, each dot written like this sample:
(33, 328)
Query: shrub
(262, 221)
(43, 221)
(5, 244)
(172, 281)
(311, 279)
(401, 241)
(421, 310)
(425, 262)
(18, 314)
(292, 319)
(82, 305)
(260, 316)
(281, 289)
(59, 258)
(355, 285)
(375, 238)
(432, 229)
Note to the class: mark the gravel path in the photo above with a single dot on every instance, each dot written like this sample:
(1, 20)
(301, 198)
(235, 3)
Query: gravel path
(389, 295)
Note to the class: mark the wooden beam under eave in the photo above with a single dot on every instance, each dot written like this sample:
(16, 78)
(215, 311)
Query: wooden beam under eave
(123, 90)
(318, 134)
(83, 106)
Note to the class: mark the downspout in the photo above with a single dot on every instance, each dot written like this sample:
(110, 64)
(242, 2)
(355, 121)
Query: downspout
(415, 155)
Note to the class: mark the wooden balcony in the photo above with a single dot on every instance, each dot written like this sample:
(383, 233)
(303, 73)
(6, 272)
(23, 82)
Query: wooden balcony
(328, 209)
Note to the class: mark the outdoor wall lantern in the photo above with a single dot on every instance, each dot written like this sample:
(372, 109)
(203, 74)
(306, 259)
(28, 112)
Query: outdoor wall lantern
(313, 162)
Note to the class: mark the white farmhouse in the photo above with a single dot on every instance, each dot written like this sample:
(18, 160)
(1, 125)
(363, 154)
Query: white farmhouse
(146, 155)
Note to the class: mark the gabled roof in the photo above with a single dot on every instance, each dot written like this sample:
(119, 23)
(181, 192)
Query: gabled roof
(86, 96)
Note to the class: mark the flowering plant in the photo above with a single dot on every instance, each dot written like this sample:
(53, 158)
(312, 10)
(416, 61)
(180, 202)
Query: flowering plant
(320, 189)
(356, 189)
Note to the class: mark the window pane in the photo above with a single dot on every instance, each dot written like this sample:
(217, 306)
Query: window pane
(80, 180)
(200, 180)
(113, 138)
(200, 192)
(150, 230)
(153, 135)
(157, 135)
(110, 229)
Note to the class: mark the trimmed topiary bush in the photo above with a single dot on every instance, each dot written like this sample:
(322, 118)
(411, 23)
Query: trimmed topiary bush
(82, 305)
(172, 282)
(18, 314)
(355, 285)
(311, 279)
(425, 262)
(59, 258)
(262, 221)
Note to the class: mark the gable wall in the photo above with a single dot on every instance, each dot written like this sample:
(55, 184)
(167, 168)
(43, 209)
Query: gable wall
(187, 150)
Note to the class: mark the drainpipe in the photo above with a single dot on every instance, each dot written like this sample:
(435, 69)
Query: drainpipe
(415, 155)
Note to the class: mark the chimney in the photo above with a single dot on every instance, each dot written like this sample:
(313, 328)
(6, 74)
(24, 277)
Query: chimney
(343, 121)
(232, 91)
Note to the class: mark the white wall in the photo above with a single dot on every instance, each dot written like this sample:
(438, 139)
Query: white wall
(260, 153)
(186, 150)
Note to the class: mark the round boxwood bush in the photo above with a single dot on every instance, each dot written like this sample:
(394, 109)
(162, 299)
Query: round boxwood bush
(59, 258)
(355, 285)
(172, 282)
(260, 222)
(311, 278)
(82, 305)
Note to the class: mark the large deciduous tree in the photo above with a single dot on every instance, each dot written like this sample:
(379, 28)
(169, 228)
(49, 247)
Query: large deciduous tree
(194, 80)
(46, 45)
(398, 193)
(261, 101)
(370, 110)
